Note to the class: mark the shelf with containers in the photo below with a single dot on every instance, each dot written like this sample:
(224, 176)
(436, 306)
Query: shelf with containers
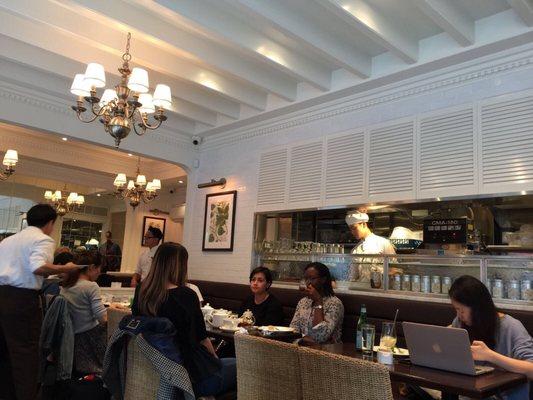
(417, 277)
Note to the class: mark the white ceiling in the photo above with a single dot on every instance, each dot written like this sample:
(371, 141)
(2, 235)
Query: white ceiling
(230, 61)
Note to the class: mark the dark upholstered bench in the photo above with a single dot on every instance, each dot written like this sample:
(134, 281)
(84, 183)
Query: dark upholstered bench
(231, 295)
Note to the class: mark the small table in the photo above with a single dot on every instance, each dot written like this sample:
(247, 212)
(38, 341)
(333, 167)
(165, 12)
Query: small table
(229, 336)
(449, 383)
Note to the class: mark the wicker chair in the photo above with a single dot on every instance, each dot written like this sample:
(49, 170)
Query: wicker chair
(267, 369)
(114, 316)
(142, 380)
(332, 376)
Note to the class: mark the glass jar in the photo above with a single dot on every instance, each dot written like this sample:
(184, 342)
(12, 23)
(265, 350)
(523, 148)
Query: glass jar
(446, 284)
(406, 282)
(396, 282)
(497, 288)
(435, 284)
(513, 290)
(527, 292)
(415, 283)
(426, 284)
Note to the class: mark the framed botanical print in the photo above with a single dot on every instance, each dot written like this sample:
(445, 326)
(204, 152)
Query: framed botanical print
(219, 221)
(156, 223)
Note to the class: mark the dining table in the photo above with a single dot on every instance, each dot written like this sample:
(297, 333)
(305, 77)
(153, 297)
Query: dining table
(228, 336)
(451, 384)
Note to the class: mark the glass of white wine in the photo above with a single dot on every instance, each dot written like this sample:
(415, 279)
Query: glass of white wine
(387, 340)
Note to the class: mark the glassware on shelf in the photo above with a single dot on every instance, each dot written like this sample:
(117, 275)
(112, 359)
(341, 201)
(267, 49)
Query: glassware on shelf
(446, 284)
(513, 290)
(426, 284)
(497, 288)
(435, 284)
(406, 282)
(396, 282)
(526, 291)
(415, 283)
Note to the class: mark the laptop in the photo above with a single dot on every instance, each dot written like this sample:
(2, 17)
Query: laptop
(442, 348)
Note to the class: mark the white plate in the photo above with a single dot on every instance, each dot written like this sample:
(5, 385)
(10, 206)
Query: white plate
(276, 329)
(228, 329)
(397, 351)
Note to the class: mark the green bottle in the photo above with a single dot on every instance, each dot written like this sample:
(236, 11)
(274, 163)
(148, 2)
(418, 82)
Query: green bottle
(360, 322)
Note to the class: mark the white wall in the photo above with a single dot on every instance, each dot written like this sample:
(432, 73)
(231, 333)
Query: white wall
(237, 156)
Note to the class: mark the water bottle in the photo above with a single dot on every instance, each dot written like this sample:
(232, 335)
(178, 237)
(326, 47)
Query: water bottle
(360, 322)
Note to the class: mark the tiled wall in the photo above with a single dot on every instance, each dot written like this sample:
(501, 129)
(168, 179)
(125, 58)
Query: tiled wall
(238, 163)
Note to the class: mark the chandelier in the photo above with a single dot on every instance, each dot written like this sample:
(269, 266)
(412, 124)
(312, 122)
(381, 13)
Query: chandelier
(129, 104)
(72, 202)
(138, 190)
(10, 161)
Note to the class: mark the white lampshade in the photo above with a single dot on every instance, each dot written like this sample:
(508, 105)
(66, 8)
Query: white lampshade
(141, 180)
(57, 195)
(131, 184)
(162, 96)
(95, 75)
(80, 200)
(150, 187)
(48, 195)
(109, 95)
(79, 87)
(120, 180)
(72, 197)
(147, 104)
(10, 158)
(156, 183)
(138, 81)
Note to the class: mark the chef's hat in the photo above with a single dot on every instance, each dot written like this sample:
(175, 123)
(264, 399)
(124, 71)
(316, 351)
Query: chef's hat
(356, 217)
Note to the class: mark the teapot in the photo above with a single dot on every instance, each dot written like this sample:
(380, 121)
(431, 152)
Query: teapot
(207, 310)
(248, 318)
(216, 318)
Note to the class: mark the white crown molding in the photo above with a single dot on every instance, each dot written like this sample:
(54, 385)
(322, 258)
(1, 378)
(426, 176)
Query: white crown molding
(22, 95)
(458, 75)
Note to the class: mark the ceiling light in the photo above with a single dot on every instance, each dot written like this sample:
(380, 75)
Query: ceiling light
(138, 190)
(64, 139)
(180, 181)
(98, 195)
(62, 204)
(129, 154)
(127, 106)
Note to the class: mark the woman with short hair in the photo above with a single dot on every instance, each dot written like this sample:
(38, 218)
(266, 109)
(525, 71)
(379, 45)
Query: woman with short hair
(320, 313)
(266, 308)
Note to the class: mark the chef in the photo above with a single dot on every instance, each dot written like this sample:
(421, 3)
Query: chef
(369, 243)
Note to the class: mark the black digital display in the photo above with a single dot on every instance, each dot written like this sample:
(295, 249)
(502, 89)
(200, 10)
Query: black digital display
(438, 231)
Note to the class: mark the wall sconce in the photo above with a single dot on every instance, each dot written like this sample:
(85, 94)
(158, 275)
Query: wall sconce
(10, 161)
(220, 182)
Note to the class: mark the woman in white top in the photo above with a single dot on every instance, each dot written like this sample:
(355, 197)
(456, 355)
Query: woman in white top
(88, 313)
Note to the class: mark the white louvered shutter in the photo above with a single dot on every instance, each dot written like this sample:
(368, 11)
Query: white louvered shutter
(272, 178)
(446, 154)
(305, 174)
(345, 168)
(391, 171)
(507, 145)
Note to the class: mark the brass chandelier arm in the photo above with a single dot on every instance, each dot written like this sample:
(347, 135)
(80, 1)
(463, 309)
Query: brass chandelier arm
(141, 122)
(97, 112)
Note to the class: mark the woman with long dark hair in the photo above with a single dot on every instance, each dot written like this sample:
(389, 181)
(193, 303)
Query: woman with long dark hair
(164, 294)
(320, 313)
(496, 338)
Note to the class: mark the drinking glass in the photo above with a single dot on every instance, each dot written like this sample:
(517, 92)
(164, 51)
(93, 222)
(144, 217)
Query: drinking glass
(368, 333)
(388, 336)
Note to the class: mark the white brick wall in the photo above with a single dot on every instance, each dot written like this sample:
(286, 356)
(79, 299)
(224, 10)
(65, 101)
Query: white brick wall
(239, 162)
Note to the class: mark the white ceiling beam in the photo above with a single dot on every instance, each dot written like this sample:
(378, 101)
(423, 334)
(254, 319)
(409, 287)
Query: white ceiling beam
(375, 26)
(524, 9)
(61, 33)
(452, 20)
(333, 49)
(231, 31)
(148, 26)
(182, 92)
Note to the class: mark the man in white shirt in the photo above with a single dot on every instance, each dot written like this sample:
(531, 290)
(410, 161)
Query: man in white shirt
(152, 239)
(26, 258)
(369, 243)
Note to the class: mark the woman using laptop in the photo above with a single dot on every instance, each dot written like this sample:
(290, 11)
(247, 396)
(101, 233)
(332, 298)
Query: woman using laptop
(497, 338)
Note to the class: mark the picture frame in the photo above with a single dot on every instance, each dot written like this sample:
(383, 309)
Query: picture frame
(155, 222)
(219, 221)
